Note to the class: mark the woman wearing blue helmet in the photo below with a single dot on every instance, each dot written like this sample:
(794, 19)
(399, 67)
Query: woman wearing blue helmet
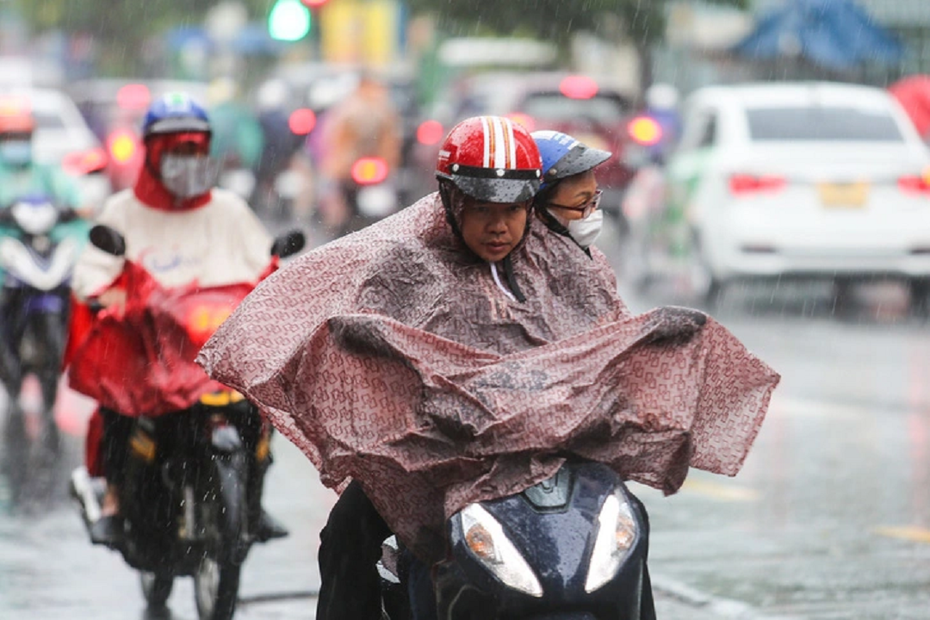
(181, 229)
(568, 197)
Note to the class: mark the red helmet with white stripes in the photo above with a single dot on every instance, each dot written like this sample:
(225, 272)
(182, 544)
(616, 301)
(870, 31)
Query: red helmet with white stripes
(491, 158)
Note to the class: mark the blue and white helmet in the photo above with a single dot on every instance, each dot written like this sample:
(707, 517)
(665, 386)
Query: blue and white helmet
(564, 156)
(175, 113)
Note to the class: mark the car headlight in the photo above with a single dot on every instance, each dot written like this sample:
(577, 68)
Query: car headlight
(616, 534)
(486, 540)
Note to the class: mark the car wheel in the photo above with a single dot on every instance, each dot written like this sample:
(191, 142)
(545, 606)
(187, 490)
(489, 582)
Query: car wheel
(713, 293)
(637, 267)
(706, 287)
(843, 298)
(920, 297)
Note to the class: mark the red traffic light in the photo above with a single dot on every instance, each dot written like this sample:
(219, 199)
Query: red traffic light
(301, 121)
(313, 4)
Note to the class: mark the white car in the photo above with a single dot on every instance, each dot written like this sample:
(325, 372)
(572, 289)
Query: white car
(791, 179)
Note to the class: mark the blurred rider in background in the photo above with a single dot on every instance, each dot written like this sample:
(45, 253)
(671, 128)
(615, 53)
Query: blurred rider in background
(20, 175)
(365, 124)
(21, 178)
(662, 106)
(279, 144)
(237, 140)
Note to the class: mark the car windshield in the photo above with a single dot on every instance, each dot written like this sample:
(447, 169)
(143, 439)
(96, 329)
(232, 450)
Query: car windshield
(822, 124)
(47, 119)
(601, 109)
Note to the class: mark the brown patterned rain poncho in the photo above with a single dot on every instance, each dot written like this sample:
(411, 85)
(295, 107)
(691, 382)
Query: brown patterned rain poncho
(393, 357)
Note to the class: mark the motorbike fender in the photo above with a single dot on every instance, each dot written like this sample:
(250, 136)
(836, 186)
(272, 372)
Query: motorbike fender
(288, 184)
(26, 267)
(226, 440)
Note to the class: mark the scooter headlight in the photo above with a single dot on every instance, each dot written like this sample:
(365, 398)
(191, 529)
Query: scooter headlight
(36, 218)
(486, 540)
(617, 530)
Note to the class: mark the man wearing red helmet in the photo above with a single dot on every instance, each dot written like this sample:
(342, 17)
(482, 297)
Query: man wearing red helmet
(20, 174)
(488, 172)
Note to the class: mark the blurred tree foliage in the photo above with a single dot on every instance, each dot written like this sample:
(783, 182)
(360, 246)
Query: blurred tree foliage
(641, 22)
(122, 27)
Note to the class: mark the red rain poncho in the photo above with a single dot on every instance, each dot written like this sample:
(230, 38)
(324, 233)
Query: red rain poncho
(139, 360)
(391, 356)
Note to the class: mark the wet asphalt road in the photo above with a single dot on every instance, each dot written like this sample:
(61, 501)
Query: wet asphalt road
(829, 519)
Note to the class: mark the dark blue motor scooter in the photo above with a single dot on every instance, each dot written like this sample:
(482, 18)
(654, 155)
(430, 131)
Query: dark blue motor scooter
(573, 547)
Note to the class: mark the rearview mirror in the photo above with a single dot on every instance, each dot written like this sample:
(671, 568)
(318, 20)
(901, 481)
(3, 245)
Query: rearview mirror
(288, 244)
(108, 240)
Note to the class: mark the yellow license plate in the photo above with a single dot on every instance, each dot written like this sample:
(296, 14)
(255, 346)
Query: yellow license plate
(221, 399)
(844, 195)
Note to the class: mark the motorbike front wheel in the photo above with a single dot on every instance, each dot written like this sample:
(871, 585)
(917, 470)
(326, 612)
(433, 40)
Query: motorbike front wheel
(216, 586)
(216, 581)
(156, 588)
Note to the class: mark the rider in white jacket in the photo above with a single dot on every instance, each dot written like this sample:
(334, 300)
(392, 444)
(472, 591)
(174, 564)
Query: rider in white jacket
(181, 229)
(175, 223)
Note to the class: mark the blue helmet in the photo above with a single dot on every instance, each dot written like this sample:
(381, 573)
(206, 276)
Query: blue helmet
(564, 156)
(175, 113)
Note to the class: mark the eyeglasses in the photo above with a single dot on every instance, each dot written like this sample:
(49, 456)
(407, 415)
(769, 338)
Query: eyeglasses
(585, 209)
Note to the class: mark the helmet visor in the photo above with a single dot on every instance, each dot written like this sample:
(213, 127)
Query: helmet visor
(579, 159)
(176, 125)
(496, 185)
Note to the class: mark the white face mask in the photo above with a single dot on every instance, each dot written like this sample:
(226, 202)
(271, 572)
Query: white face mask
(585, 231)
(187, 176)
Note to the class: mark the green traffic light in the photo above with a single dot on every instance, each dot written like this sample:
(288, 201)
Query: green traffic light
(289, 20)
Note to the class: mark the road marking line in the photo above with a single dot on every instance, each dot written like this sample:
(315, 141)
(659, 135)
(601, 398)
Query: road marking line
(916, 534)
(800, 407)
(713, 605)
(723, 492)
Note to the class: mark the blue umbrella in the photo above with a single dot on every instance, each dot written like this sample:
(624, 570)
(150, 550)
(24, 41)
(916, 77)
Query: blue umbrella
(184, 36)
(252, 39)
(832, 34)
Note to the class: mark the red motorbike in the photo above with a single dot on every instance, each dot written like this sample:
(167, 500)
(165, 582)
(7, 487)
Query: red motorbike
(370, 195)
(197, 451)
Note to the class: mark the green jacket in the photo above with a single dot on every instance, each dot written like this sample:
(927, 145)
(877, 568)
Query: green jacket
(37, 179)
(40, 179)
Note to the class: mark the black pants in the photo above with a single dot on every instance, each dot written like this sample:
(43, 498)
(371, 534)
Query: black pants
(113, 444)
(13, 324)
(350, 547)
(10, 370)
